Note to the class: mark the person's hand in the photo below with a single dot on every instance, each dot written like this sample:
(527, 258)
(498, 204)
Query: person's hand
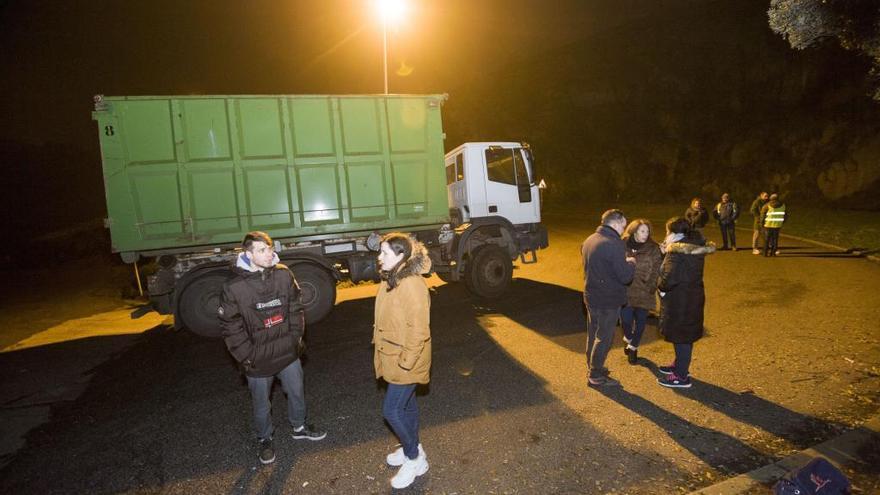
(630, 259)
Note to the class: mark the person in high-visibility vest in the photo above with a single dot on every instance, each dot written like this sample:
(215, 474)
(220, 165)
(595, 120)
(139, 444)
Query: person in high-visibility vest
(772, 217)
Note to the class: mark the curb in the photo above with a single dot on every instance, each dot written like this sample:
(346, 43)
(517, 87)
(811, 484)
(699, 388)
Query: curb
(840, 451)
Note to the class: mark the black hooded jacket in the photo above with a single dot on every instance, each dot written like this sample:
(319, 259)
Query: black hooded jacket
(262, 319)
(681, 279)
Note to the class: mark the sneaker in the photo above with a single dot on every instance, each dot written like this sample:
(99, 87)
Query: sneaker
(602, 381)
(756, 251)
(734, 248)
(776, 253)
(267, 453)
(666, 370)
(408, 472)
(306, 432)
(673, 381)
(397, 458)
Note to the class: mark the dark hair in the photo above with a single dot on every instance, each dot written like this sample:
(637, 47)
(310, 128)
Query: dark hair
(255, 236)
(635, 224)
(613, 215)
(678, 225)
(400, 244)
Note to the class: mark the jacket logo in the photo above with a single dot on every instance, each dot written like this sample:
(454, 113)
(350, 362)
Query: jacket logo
(274, 303)
(272, 321)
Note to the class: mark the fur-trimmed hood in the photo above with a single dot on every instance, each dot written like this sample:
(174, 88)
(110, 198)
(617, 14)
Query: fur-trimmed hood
(690, 248)
(419, 263)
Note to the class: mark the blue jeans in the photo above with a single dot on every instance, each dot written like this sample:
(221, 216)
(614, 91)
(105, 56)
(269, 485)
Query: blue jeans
(402, 413)
(627, 315)
(292, 383)
(683, 354)
(601, 323)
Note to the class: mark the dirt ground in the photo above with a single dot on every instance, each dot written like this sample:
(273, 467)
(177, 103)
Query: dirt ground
(790, 359)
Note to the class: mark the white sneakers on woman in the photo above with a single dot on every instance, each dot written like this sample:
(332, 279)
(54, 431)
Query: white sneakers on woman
(409, 470)
(397, 458)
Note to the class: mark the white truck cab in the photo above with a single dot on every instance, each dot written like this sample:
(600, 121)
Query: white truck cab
(493, 179)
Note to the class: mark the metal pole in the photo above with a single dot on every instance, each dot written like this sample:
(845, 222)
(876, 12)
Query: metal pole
(385, 51)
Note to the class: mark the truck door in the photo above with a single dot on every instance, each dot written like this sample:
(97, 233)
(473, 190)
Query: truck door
(510, 189)
(455, 183)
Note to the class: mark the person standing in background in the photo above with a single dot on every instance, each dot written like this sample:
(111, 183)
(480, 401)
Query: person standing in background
(726, 212)
(757, 224)
(773, 215)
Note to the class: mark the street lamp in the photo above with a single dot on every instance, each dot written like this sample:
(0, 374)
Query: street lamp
(392, 12)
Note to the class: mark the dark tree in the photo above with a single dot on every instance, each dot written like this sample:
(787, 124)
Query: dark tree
(854, 24)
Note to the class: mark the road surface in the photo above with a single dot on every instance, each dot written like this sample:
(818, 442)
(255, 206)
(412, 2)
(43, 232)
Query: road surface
(790, 359)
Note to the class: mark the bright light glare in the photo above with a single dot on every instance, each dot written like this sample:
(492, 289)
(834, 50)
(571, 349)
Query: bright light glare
(391, 11)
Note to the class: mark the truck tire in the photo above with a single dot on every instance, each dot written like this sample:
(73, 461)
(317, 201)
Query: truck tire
(197, 305)
(489, 271)
(318, 290)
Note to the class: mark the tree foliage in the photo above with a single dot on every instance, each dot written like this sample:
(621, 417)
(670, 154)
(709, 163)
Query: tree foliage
(854, 24)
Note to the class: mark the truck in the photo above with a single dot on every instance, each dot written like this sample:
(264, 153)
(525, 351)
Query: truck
(186, 177)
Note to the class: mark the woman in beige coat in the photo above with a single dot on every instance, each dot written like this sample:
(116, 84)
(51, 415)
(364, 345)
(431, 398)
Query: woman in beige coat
(402, 340)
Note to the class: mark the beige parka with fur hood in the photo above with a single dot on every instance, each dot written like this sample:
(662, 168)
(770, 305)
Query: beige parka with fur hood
(402, 333)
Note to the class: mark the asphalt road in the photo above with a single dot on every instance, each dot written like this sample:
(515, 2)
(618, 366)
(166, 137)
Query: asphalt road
(790, 359)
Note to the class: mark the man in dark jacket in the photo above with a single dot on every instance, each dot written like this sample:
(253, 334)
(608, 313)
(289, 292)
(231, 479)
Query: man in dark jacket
(726, 212)
(696, 214)
(607, 271)
(757, 224)
(263, 324)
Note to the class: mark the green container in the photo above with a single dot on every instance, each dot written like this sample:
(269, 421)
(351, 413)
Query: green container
(185, 172)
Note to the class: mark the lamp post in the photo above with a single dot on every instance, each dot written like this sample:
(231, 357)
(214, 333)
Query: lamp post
(391, 11)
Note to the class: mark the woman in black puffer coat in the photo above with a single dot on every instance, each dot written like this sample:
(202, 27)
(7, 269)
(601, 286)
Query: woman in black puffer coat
(682, 297)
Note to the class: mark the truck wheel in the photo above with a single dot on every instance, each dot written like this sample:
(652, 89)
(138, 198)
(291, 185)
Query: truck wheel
(489, 271)
(318, 290)
(199, 301)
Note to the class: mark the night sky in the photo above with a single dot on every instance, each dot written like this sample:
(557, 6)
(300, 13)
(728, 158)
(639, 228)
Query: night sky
(57, 55)
(677, 93)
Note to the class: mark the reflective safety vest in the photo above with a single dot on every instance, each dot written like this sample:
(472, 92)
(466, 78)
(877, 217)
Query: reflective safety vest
(775, 217)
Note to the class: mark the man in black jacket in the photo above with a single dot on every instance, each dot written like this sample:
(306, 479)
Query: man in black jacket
(263, 324)
(607, 271)
(726, 212)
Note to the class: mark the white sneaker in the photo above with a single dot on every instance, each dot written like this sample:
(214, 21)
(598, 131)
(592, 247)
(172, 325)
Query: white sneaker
(397, 458)
(755, 251)
(408, 472)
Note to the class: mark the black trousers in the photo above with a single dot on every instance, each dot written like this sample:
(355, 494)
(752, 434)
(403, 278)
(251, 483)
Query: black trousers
(772, 243)
(728, 231)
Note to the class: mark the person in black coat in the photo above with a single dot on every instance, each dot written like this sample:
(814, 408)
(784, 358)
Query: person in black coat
(263, 323)
(607, 271)
(682, 297)
(696, 214)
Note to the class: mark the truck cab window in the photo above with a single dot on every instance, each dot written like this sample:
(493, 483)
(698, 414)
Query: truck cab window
(499, 165)
(450, 174)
